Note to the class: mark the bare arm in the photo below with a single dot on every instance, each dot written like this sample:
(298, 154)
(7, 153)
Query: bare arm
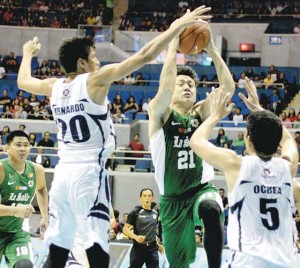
(150, 51)
(23, 211)
(296, 189)
(127, 231)
(289, 150)
(223, 73)
(25, 79)
(158, 108)
(224, 159)
(112, 217)
(42, 196)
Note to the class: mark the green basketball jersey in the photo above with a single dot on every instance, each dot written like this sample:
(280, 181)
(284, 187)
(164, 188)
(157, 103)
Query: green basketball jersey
(177, 168)
(15, 190)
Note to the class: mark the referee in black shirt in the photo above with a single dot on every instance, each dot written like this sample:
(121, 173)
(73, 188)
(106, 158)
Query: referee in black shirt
(144, 220)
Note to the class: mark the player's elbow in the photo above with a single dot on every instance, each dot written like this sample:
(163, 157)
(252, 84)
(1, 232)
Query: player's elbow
(195, 143)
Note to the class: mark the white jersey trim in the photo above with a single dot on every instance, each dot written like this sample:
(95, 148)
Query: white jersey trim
(158, 152)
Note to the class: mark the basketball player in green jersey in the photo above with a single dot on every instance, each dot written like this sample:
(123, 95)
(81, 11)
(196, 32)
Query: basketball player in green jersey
(19, 180)
(183, 179)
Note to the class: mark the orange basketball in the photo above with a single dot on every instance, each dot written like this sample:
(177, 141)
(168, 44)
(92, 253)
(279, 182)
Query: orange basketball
(194, 38)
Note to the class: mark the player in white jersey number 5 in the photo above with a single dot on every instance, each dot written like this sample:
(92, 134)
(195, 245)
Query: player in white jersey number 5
(79, 196)
(261, 228)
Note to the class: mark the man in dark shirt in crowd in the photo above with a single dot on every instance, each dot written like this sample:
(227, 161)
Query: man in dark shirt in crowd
(42, 159)
(36, 114)
(143, 220)
(27, 107)
(5, 100)
(11, 64)
(46, 141)
(224, 198)
(225, 204)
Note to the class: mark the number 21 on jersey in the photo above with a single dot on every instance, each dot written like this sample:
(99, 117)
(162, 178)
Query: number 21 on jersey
(186, 159)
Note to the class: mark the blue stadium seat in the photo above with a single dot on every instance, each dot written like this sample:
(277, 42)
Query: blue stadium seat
(39, 136)
(141, 116)
(33, 150)
(129, 116)
(112, 94)
(239, 149)
(146, 76)
(143, 165)
(49, 151)
(5, 87)
(54, 161)
(53, 136)
(125, 95)
(138, 95)
(11, 76)
(19, 59)
(149, 94)
(3, 156)
(155, 79)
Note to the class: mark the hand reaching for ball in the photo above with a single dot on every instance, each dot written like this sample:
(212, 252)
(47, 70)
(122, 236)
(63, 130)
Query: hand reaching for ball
(191, 17)
(32, 47)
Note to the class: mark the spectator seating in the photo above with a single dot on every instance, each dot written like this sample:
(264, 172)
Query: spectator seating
(143, 165)
(239, 149)
(141, 116)
(54, 161)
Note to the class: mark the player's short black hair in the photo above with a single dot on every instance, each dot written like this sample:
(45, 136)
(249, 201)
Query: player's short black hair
(15, 133)
(146, 189)
(188, 71)
(72, 49)
(265, 131)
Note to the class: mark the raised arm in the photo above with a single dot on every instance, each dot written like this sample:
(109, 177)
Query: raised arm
(289, 149)
(159, 108)
(223, 73)
(224, 159)
(150, 51)
(25, 79)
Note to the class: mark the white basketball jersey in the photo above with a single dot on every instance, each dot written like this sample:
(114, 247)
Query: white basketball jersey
(260, 213)
(86, 132)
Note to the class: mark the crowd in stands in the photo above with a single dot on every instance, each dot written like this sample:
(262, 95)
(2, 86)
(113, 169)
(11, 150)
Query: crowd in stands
(44, 141)
(23, 107)
(56, 14)
(158, 15)
(142, 15)
(29, 106)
